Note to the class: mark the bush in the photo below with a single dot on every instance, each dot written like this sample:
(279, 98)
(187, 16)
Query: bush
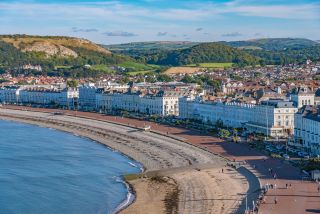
(224, 133)
(312, 164)
(275, 155)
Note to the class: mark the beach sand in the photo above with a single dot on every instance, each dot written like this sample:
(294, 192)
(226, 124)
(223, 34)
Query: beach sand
(153, 196)
(191, 171)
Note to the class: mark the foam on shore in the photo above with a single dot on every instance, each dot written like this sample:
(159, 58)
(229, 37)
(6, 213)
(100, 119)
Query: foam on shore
(129, 199)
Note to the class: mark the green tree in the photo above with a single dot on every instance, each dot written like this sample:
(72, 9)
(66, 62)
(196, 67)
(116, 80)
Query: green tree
(164, 78)
(72, 83)
(224, 133)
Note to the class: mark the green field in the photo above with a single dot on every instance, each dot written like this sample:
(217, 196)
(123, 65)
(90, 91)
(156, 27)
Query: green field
(62, 67)
(104, 68)
(213, 65)
(134, 73)
(134, 66)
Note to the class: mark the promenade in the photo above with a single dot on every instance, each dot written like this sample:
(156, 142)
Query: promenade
(301, 197)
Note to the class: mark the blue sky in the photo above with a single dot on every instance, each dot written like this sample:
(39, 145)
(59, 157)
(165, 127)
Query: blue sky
(123, 21)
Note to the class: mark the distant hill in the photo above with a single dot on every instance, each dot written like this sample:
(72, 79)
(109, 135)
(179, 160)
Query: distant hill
(272, 44)
(62, 56)
(277, 51)
(201, 53)
(280, 51)
(162, 45)
(59, 46)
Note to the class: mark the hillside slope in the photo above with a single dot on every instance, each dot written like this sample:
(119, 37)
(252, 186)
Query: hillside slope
(273, 44)
(201, 53)
(57, 56)
(52, 45)
(161, 45)
(277, 51)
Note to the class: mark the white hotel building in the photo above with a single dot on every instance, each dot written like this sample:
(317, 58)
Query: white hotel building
(10, 94)
(87, 97)
(273, 117)
(307, 130)
(302, 96)
(36, 95)
(161, 103)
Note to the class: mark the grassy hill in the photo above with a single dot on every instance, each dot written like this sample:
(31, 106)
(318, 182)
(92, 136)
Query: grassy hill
(52, 45)
(278, 51)
(273, 44)
(62, 56)
(201, 53)
(162, 45)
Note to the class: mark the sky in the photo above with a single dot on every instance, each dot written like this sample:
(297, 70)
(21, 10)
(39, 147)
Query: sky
(122, 21)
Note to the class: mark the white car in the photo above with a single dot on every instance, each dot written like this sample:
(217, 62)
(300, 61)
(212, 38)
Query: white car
(286, 156)
(279, 147)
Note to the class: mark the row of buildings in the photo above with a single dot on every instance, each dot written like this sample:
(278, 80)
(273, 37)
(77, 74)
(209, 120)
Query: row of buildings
(40, 96)
(296, 116)
(273, 117)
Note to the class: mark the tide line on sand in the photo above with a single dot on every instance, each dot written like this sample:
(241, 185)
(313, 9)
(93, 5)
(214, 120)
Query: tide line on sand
(129, 199)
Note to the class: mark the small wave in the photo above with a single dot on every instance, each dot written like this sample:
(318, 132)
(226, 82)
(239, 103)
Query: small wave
(137, 166)
(132, 164)
(129, 199)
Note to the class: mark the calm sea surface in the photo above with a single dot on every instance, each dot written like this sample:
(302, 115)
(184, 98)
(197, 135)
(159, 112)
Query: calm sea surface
(48, 171)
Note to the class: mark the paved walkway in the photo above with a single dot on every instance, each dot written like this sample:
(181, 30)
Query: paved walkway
(302, 197)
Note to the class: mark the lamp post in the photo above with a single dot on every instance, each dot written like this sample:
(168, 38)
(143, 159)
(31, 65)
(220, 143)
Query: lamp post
(246, 202)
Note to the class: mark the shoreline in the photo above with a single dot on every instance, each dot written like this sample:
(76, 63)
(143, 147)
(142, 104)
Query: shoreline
(131, 195)
(130, 198)
(172, 153)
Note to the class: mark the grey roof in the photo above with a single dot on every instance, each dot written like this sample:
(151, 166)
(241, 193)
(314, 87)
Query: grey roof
(278, 103)
(302, 90)
(310, 112)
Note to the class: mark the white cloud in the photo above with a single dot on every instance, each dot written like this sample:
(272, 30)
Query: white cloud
(120, 33)
(149, 22)
(162, 33)
(233, 34)
(308, 11)
(87, 30)
(117, 11)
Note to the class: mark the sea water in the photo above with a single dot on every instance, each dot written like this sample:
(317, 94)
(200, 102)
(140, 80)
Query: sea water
(48, 171)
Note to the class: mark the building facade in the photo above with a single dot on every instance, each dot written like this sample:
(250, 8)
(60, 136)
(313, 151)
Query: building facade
(39, 96)
(87, 97)
(161, 103)
(10, 95)
(273, 118)
(307, 130)
(302, 96)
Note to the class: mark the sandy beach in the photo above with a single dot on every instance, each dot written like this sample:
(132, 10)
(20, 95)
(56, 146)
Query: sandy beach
(179, 177)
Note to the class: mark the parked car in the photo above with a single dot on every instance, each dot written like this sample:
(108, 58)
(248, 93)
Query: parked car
(269, 149)
(302, 154)
(279, 147)
(286, 156)
(292, 150)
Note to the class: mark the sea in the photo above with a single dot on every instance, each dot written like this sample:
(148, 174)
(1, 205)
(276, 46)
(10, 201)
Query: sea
(44, 170)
